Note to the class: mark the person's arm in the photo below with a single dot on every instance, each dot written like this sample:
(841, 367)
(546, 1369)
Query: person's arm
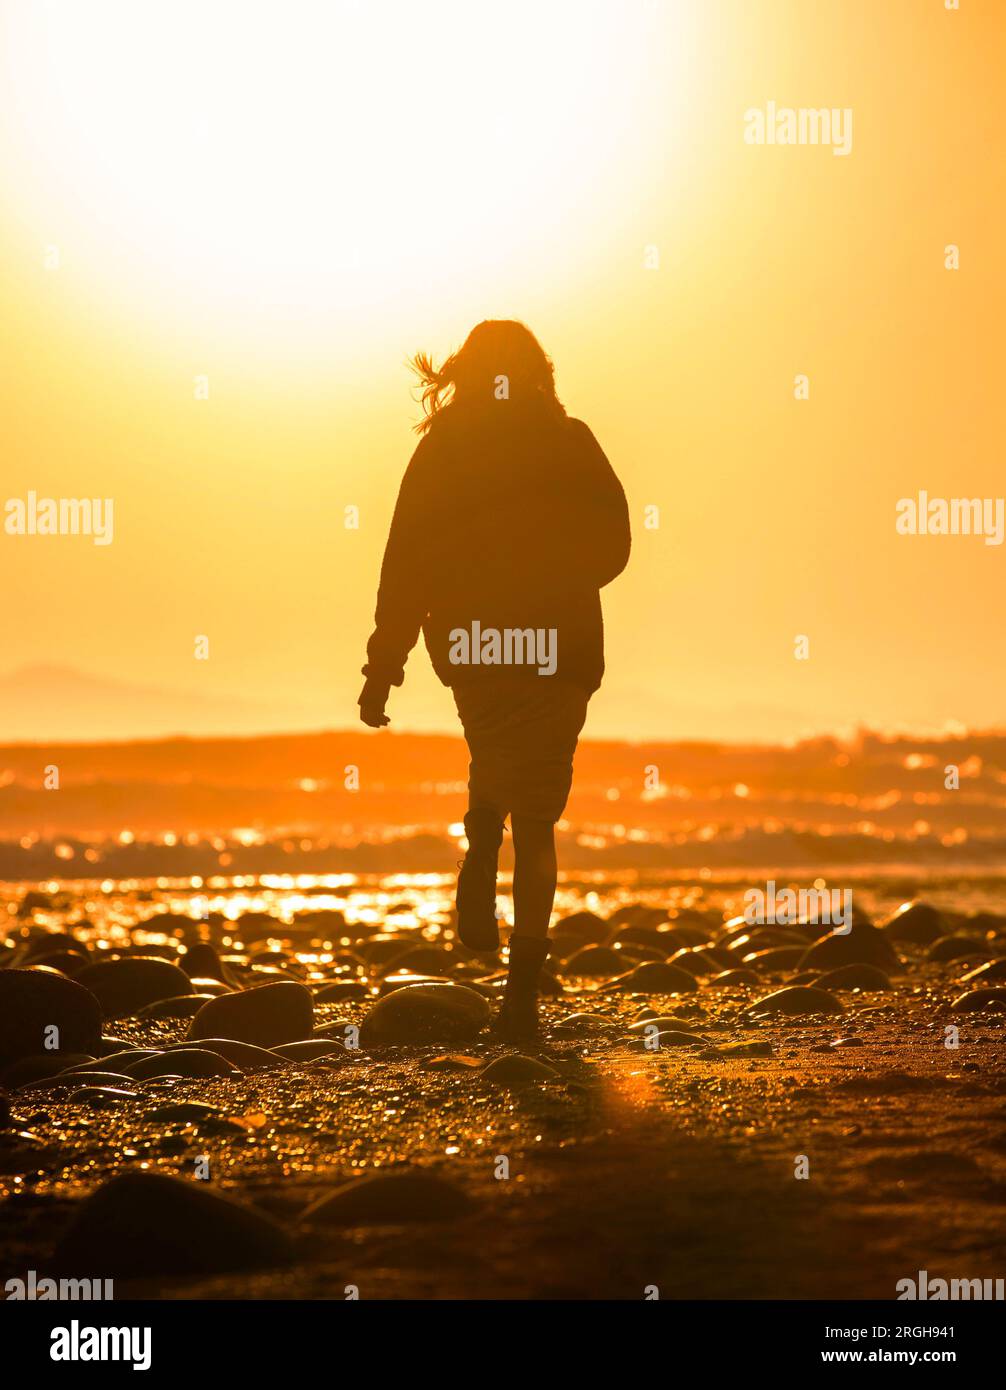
(602, 513)
(402, 595)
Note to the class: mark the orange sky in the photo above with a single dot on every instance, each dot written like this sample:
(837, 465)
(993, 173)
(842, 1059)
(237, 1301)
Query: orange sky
(290, 201)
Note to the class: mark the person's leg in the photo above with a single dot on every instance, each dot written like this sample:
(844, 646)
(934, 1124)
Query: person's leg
(534, 876)
(476, 898)
(534, 881)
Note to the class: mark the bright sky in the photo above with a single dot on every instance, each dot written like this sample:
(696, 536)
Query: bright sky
(286, 199)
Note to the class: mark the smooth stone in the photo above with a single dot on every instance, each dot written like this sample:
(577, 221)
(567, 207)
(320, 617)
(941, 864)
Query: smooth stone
(668, 1028)
(183, 1061)
(855, 976)
(182, 1006)
(976, 999)
(101, 1097)
(39, 1066)
(863, 945)
(32, 1002)
(265, 1015)
(425, 1013)
(656, 977)
(307, 1051)
(391, 1199)
(741, 976)
(243, 1055)
(72, 1080)
(917, 923)
(664, 1039)
(581, 929)
(517, 1070)
(958, 948)
(183, 1112)
(201, 960)
(797, 999)
(696, 962)
(775, 958)
(585, 1020)
(747, 1049)
(116, 1061)
(148, 1223)
(984, 974)
(595, 961)
(126, 984)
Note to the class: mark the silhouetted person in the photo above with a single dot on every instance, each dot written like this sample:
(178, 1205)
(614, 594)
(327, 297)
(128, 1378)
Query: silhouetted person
(509, 521)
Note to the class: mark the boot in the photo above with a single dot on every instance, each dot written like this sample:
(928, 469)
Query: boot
(518, 1016)
(476, 900)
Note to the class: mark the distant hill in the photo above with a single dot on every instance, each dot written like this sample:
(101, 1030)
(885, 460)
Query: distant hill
(45, 701)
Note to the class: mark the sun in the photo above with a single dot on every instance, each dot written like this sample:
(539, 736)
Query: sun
(266, 165)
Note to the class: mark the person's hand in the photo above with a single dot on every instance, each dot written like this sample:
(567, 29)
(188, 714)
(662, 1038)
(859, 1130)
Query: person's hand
(373, 698)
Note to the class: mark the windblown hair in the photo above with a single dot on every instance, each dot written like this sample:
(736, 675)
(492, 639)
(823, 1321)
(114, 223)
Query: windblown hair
(494, 349)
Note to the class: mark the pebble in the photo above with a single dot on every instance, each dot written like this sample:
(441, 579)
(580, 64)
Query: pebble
(798, 999)
(391, 1199)
(917, 923)
(855, 976)
(148, 1223)
(863, 945)
(265, 1015)
(976, 999)
(516, 1070)
(656, 977)
(425, 1013)
(243, 1055)
(126, 984)
(183, 1061)
(32, 1002)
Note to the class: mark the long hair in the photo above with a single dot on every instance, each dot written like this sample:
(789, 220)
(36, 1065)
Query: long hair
(500, 359)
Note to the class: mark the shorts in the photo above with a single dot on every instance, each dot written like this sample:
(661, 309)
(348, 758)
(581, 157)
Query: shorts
(521, 735)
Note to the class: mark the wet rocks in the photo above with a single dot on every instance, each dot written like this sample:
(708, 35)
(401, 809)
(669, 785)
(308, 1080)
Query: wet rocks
(391, 1199)
(425, 1013)
(595, 961)
(855, 976)
(915, 922)
(975, 1000)
(183, 1061)
(265, 1015)
(34, 1003)
(796, 1000)
(148, 1223)
(515, 1070)
(862, 945)
(958, 948)
(124, 985)
(656, 977)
